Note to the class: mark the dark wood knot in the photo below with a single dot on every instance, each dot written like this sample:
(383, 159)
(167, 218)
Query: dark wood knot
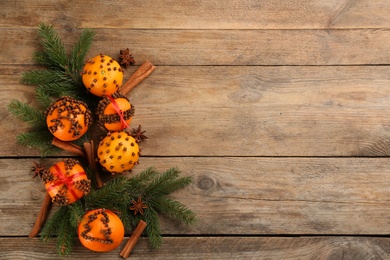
(205, 183)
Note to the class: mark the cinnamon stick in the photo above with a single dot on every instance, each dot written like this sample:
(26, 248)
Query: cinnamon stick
(42, 216)
(140, 74)
(89, 148)
(72, 148)
(125, 253)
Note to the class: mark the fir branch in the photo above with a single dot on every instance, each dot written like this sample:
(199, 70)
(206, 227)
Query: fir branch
(65, 239)
(67, 232)
(158, 185)
(39, 138)
(63, 224)
(38, 77)
(153, 187)
(76, 212)
(79, 51)
(58, 89)
(50, 229)
(136, 184)
(27, 113)
(128, 220)
(173, 209)
(53, 54)
(168, 182)
(176, 184)
(134, 219)
(153, 230)
(110, 194)
(43, 97)
(145, 176)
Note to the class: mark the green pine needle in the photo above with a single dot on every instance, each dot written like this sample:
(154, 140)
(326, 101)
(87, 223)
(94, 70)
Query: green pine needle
(76, 212)
(136, 185)
(53, 54)
(63, 225)
(110, 194)
(152, 229)
(51, 227)
(170, 174)
(79, 51)
(39, 138)
(43, 97)
(167, 183)
(38, 77)
(59, 89)
(27, 113)
(174, 209)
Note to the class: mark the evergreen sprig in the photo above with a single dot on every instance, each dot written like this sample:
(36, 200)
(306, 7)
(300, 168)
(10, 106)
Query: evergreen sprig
(39, 138)
(63, 225)
(34, 117)
(152, 187)
(78, 53)
(53, 54)
(59, 77)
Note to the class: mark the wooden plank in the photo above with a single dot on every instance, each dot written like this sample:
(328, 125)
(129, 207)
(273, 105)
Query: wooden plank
(220, 47)
(241, 196)
(202, 14)
(356, 248)
(244, 111)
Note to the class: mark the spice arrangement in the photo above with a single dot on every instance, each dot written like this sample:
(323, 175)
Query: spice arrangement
(76, 94)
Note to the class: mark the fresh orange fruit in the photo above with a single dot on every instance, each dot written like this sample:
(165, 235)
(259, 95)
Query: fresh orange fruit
(66, 182)
(68, 119)
(102, 75)
(115, 112)
(118, 152)
(101, 230)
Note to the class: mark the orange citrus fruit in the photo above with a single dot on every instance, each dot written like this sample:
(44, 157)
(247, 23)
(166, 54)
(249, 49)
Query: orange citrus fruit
(66, 182)
(68, 119)
(118, 152)
(115, 112)
(102, 75)
(101, 230)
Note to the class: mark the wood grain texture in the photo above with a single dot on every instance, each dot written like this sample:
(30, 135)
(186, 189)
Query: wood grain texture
(265, 103)
(219, 47)
(294, 248)
(244, 111)
(257, 196)
(201, 14)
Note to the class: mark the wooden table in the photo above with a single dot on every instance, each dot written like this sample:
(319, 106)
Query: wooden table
(278, 109)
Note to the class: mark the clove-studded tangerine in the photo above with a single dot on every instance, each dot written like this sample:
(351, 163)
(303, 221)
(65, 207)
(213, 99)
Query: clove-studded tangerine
(118, 152)
(100, 230)
(66, 182)
(102, 75)
(68, 119)
(115, 112)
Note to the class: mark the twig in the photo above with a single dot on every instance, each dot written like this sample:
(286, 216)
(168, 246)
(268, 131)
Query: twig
(41, 218)
(125, 253)
(140, 74)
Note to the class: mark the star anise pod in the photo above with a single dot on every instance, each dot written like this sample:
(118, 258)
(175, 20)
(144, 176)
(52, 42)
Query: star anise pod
(138, 134)
(138, 206)
(126, 58)
(38, 170)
